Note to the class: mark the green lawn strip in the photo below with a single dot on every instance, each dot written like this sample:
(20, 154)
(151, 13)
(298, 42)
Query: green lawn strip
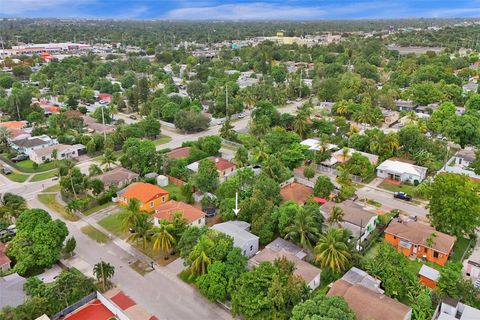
(459, 248)
(186, 276)
(54, 188)
(27, 166)
(17, 177)
(51, 202)
(113, 223)
(229, 147)
(97, 208)
(95, 234)
(44, 176)
(175, 192)
(162, 140)
(408, 189)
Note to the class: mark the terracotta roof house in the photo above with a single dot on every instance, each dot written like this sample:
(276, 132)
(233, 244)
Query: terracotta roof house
(224, 166)
(355, 218)
(4, 260)
(368, 304)
(296, 192)
(13, 124)
(417, 239)
(149, 195)
(118, 176)
(165, 211)
(105, 97)
(178, 153)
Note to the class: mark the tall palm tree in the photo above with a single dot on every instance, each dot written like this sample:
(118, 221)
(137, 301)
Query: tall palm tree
(162, 237)
(142, 226)
(103, 271)
(4, 135)
(300, 126)
(112, 109)
(108, 158)
(303, 230)
(332, 251)
(261, 153)
(336, 216)
(131, 214)
(199, 255)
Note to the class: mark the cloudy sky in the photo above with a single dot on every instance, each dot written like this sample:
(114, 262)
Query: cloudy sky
(240, 9)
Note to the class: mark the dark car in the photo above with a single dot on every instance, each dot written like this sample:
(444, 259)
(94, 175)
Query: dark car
(402, 196)
(19, 158)
(210, 212)
(133, 117)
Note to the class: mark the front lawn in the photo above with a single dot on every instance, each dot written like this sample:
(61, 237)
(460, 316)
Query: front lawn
(54, 188)
(175, 192)
(459, 248)
(95, 234)
(50, 201)
(113, 223)
(27, 166)
(97, 208)
(44, 176)
(408, 189)
(17, 177)
(162, 140)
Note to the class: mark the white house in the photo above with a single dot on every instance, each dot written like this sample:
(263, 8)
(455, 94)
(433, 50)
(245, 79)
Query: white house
(315, 145)
(401, 171)
(238, 230)
(29, 144)
(451, 309)
(64, 152)
(460, 163)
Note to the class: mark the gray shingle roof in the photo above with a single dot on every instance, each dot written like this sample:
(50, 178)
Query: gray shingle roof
(11, 290)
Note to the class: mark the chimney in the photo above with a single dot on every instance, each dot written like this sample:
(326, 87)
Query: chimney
(217, 160)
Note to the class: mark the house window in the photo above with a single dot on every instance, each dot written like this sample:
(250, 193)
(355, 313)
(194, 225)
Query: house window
(435, 254)
(395, 237)
(163, 199)
(199, 221)
(251, 248)
(151, 204)
(244, 252)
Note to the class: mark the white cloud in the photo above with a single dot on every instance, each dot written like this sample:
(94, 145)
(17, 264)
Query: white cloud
(457, 12)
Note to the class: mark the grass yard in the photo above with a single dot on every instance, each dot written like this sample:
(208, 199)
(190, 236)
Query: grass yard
(27, 166)
(97, 208)
(176, 191)
(141, 267)
(44, 176)
(17, 177)
(51, 202)
(163, 139)
(54, 188)
(95, 234)
(459, 248)
(229, 147)
(186, 276)
(408, 189)
(113, 224)
(155, 255)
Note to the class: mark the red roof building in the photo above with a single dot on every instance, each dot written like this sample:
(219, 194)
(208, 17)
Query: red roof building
(4, 260)
(296, 192)
(194, 216)
(105, 97)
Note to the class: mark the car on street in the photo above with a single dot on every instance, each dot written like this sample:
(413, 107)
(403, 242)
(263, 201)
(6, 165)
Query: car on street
(133, 117)
(402, 196)
(6, 170)
(19, 158)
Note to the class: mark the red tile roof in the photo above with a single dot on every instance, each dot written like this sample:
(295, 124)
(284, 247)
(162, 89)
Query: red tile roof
(144, 192)
(3, 258)
(95, 310)
(13, 124)
(105, 96)
(166, 211)
(296, 192)
(221, 163)
(178, 153)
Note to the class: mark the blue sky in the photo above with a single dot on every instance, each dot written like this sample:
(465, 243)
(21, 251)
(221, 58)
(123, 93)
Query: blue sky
(240, 9)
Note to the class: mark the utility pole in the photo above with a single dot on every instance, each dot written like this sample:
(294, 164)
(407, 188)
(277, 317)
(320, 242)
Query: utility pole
(103, 122)
(226, 101)
(300, 85)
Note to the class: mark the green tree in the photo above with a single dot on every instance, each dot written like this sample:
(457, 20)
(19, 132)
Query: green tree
(206, 179)
(309, 172)
(199, 255)
(103, 271)
(322, 307)
(332, 251)
(241, 157)
(213, 284)
(131, 214)
(323, 187)
(70, 246)
(303, 230)
(335, 217)
(141, 226)
(162, 237)
(108, 158)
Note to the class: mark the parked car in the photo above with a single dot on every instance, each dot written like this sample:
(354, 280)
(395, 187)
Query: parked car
(210, 212)
(6, 170)
(133, 117)
(19, 158)
(241, 115)
(402, 196)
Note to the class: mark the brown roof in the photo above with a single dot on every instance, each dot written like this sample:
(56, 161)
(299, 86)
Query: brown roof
(221, 163)
(166, 210)
(418, 233)
(352, 212)
(178, 153)
(296, 192)
(3, 258)
(73, 113)
(303, 269)
(368, 304)
(117, 175)
(92, 124)
(142, 191)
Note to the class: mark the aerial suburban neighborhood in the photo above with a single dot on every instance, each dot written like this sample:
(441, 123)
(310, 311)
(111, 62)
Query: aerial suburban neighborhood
(239, 160)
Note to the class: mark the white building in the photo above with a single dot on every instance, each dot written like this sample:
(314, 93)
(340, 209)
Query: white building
(238, 230)
(64, 152)
(451, 309)
(29, 144)
(460, 163)
(401, 171)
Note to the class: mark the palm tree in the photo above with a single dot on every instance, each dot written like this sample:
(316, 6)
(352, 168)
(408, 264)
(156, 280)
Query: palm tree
(4, 135)
(336, 216)
(300, 126)
(162, 237)
(332, 251)
(108, 158)
(103, 271)
(199, 255)
(142, 227)
(261, 153)
(112, 109)
(131, 214)
(303, 230)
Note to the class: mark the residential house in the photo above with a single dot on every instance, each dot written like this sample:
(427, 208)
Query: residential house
(118, 177)
(428, 109)
(12, 125)
(405, 105)
(343, 155)
(428, 276)
(27, 145)
(149, 195)
(401, 170)
(419, 240)
(316, 145)
(280, 244)
(296, 192)
(470, 87)
(471, 269)
(355, 218)
(366, 299)
(224, 167)
(105, 97)
(460, 163)
(451, 309)
(242, 238)
(11, 290)
(93, 126)
(309, 273)
(178, 153)
(390, 116)
(195, 217)
(64, 151)
(4, 260)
